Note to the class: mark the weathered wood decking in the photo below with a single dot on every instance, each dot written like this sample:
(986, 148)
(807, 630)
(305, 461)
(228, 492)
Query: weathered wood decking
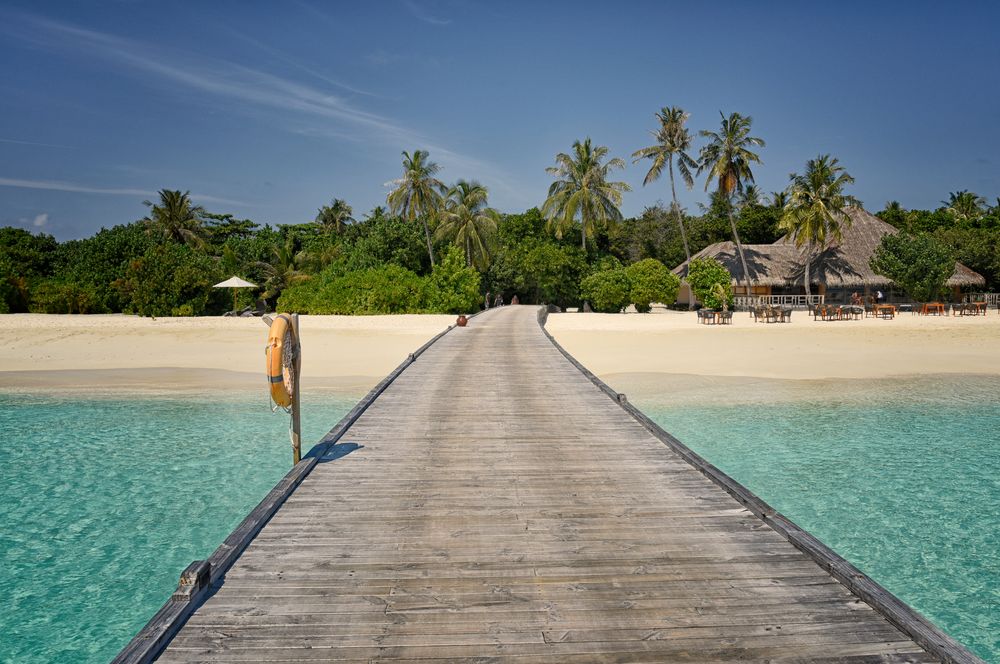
(493, 503)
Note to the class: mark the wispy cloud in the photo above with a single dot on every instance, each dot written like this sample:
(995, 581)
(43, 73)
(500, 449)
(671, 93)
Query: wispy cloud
(42, 145)
(289, 60)
(319, 112)
(421, 14)
(61, 185)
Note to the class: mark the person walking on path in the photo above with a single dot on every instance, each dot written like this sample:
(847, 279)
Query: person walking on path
(488, 299)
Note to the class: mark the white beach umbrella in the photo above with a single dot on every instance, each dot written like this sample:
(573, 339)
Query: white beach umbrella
(234, 283)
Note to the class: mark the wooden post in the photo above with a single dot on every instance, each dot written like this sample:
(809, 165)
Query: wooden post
(296, 405)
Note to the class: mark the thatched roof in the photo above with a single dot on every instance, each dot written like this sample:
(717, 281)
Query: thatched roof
(843, 264)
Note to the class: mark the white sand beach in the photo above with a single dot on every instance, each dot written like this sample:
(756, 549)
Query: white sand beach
(352, 353)
(672, 342)
(346, 353)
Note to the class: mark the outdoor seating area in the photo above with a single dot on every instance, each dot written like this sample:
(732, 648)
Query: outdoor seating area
(969, 309)
(838, 312)
(711, 317)
(769, 314)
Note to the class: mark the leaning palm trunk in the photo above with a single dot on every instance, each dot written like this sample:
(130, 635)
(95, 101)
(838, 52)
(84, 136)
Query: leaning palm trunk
(680, 220)
(743, 259)
(807, 276)
(468, 251)
(680, 225)
(427, 234)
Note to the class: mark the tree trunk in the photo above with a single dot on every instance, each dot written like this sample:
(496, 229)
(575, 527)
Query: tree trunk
(468, 253)
(806, 277)
(743, 259)
(583, 234)
(427, 234)
(680, 224)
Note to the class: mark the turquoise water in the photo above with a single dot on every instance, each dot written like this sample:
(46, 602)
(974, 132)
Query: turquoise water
(105, 501)
(901, 477)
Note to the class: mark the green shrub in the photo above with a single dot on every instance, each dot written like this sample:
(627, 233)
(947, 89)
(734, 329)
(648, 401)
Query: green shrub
(165, 278)
(650, 281)
(53, 296)
(606, 291)
(703, 275)
(389, 289)
(919, 264)
(453, 288)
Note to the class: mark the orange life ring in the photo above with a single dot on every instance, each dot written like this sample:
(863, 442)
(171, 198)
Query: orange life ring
(280, 376)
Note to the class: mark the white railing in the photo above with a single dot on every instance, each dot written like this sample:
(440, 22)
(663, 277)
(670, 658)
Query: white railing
(743, 302)
(988, 298)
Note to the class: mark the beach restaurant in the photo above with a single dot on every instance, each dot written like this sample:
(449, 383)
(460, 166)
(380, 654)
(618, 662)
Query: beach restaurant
(777, 271)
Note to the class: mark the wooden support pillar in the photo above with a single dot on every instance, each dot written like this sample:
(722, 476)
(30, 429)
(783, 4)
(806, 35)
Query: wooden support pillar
(296, 405)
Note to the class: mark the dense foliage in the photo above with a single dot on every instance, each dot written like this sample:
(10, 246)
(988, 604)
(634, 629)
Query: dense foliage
(606, 291)
(709, 281)
(919, 264)
(651, 281)
(442, 248)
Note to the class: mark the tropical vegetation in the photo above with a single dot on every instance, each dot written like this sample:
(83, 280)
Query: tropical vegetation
(435, 247)
(815, 211)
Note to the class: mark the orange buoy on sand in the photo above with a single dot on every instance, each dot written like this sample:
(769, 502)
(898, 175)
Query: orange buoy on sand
(279, 353)
(462, 321)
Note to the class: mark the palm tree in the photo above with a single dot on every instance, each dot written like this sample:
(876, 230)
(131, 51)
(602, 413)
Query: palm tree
(284, 268)
(815, 212)
(333, 217)
(751, 195)
(672, 140)
(965, 204)
(727, 158)
(417, 195)
(468, 221)
(778, 199)
(176, 218)
(582, 187)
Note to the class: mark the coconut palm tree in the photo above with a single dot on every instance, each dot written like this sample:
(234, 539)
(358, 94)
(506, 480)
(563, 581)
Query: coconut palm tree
(751, 195)
(965, 204)
(468, 221)
(582, 188)
(778, 199)
(418, 194)
(332, 218)
(727, 158)
(175, 218)
(815, 211)
(284, 268)
(672, 140)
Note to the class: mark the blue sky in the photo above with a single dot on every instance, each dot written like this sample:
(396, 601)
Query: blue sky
(269, 110)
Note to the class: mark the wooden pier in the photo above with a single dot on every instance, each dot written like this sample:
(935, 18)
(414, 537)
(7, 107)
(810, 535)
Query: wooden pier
(491, 501)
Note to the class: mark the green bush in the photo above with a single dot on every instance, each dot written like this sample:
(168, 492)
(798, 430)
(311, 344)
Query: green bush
(53, 296)
(606, 291)
(703, 275)
(918, 264)
(650, 281)
(167, 277)
(453, 288)
(389, 289)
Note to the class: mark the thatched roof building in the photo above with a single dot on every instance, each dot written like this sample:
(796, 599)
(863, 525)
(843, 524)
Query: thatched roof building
(843, 264)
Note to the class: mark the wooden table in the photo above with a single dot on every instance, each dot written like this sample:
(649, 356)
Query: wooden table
(933, 309)
(885, 311)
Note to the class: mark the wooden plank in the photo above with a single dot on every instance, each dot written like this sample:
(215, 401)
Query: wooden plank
(501, 506)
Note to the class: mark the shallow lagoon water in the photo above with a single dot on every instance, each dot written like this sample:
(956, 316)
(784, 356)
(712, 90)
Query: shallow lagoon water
(900, 476)
(106, 500)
